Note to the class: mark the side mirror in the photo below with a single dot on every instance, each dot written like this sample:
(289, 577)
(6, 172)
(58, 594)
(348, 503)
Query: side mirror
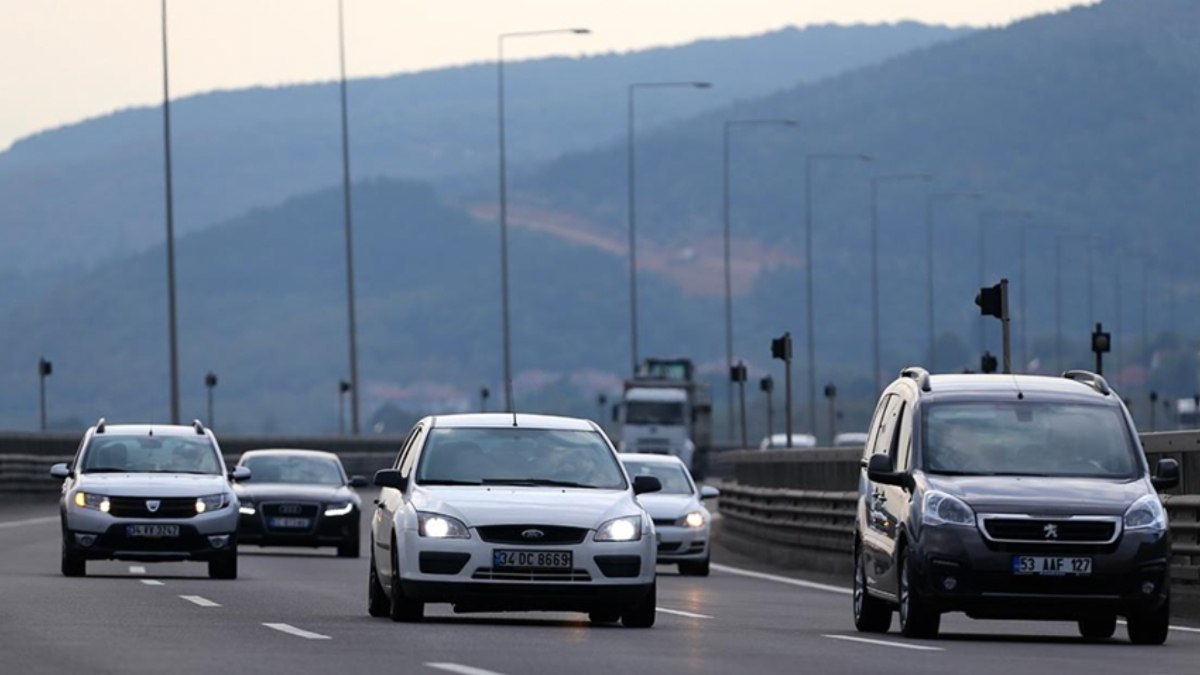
(239, 473)
(60, 471)
(709, 492)
(646, 484)
(389, 478)
(358, 482)
(1166, 474)
(881, 470)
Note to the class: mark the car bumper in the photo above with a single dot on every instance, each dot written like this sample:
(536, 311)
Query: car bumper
(959, 571)
(327, 531)
(682, 544)
(99, 536)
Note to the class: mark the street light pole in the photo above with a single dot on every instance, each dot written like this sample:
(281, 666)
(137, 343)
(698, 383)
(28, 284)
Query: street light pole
(729, 125)
(875, 182)
(631, 174)
(809, 261)
(45, 369)
(930, 202)
(503, 150)
(172, 322)
(347, 222)
(210, 383)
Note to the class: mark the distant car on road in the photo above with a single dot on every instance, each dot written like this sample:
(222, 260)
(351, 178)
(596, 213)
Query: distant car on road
(779, 442)
(299, 498)
(149, 493)
(850, 439)
(1010, 497)
(500, 512)
(683, 525)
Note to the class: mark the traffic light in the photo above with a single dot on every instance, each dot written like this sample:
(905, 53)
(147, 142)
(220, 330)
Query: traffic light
(766, 384)
(45, 368)
(737, 372)
(210, 380)
(830, 391)
(990, 301)
(1101, 341)
(781, 347)
(988, 363)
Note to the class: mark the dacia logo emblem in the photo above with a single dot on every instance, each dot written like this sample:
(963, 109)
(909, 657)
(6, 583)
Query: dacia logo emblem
(1050, 530)
(532, 534)
(152, 505)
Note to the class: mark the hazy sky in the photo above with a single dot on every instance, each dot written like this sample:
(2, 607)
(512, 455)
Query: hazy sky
(65, 60)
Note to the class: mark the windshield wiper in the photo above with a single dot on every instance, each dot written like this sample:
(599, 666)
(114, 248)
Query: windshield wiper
(449, 481)
(536, 482)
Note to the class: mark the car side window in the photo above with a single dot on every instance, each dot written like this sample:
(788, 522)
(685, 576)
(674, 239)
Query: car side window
(885, 434)
(876, 422)
(405, 446)
(410, 452)
(903, 446)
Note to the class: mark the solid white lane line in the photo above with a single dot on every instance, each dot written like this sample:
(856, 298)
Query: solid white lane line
(28, 521)
(152, 582)
(298, 632)
(885, 643)
(679, 612)
(1182, 629)
(461, 669)
(137, 569)
(782, 580)
(197, 600)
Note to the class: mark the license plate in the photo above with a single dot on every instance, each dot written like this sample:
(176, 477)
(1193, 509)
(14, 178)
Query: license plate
(290, 523)
(526, 560)
(1051, 566)
(152, 531)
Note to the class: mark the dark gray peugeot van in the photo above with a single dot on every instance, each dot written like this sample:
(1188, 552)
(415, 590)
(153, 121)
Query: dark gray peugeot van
(1010, 497)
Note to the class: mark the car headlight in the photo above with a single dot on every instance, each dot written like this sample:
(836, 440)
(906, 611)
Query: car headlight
(339, 509)
(86, 500)
(246, 508)
(1146, 513)
(694, 520)
(628, 528)
(211, 503)
(942, 509)
(437, 526)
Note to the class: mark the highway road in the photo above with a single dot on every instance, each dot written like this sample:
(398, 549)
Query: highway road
(305, 612)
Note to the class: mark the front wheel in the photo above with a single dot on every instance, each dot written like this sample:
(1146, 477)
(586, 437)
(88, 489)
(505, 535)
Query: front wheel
(73, 564)
(1098, 627)
(225, 567)
(1150, 628)
(641, 614)
(402, 608)
(348, 548)
(378, 604)
(694, 569)
(917, 620)
(871, 615)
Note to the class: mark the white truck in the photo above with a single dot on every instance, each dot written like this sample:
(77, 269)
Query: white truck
(665, 411)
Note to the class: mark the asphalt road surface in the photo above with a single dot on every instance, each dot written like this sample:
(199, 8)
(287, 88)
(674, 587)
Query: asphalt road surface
(301, 612)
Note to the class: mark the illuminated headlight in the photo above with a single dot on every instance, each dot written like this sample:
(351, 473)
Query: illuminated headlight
(211, 503)
(247, 509)
(1146, 513)
(628, 528)
(95, 502)
(942, 509)
(437, 526)
(334, 510)
(695, 520)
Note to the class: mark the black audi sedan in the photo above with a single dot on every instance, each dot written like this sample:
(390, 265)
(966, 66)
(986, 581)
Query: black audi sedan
(1010, 497)
(299, 498)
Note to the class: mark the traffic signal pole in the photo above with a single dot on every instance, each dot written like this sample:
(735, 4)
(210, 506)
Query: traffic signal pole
(993, 301)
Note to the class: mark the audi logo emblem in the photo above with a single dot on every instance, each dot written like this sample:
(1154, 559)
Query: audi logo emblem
(290, 509)
(532, 534)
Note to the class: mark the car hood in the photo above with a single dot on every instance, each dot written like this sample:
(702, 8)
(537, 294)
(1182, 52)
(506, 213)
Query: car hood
(1042, 496)
(270, 491)
(153, 484)
(663, 507)
(479, 506)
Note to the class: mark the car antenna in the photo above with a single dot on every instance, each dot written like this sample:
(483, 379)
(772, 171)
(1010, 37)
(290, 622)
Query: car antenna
(1020, 394)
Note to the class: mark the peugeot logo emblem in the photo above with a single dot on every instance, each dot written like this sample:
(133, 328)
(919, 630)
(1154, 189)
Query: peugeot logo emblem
(152, 505)
(532, 534)
(1050, 530)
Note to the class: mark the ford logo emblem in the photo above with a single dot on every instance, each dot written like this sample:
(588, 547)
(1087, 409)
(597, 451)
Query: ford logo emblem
(532, 534)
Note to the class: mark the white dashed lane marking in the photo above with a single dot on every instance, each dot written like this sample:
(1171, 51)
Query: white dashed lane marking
(298, 632)
(885, 643)
(199, 601)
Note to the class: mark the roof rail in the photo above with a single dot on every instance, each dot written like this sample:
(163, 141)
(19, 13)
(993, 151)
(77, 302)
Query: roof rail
(198, 427)
(1089, 378)
(920, 375)
(100, 426)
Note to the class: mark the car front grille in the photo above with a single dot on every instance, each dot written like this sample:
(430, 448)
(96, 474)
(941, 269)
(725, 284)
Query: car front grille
(140, 507)
(658, 446)
(489, 574)
(664, 522)
(526, 535)
(1089, 530)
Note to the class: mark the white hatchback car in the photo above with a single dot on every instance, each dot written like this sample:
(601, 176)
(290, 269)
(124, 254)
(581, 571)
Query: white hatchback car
(501, 512)
(683, 525)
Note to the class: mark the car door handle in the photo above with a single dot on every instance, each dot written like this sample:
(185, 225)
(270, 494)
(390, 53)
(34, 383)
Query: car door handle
(880, 496)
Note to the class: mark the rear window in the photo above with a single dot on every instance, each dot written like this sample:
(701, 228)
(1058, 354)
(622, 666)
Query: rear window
(1022, 438)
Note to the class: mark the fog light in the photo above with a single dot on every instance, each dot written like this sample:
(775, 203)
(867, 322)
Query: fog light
(1148, 587)
(85, 539)
(949, 583)
(219, 541)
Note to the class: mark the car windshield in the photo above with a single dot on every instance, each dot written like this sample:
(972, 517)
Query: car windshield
(515, 456)
(294, 470)
(1025, 438)
(653, 412)
(151, 454)
(673, 477)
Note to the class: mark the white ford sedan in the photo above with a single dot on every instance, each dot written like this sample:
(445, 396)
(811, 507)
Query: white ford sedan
(683, 524)
(496, 512)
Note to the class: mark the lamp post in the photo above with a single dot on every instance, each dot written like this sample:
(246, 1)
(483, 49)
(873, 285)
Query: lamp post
(507, 335)
(210, 383)
(930, 202)
(985, 219)
(172, 322)
(343, 388)
(347, 227)
(631, 172)
(484, 395)
(809, 261)
(875, 183)
(831, 396)
(602, 404)
(729, 126)
(767, 385)
(45, 369)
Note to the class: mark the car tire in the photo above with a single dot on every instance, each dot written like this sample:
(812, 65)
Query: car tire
(694, 569)
(1150, 628)
(378, 604)
(871, 615)
(1098, 627)
(642, 613)
(917, 619)
(401, 608)
(73, 564)
(349, 548)
(604, 615)
(225, 567)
